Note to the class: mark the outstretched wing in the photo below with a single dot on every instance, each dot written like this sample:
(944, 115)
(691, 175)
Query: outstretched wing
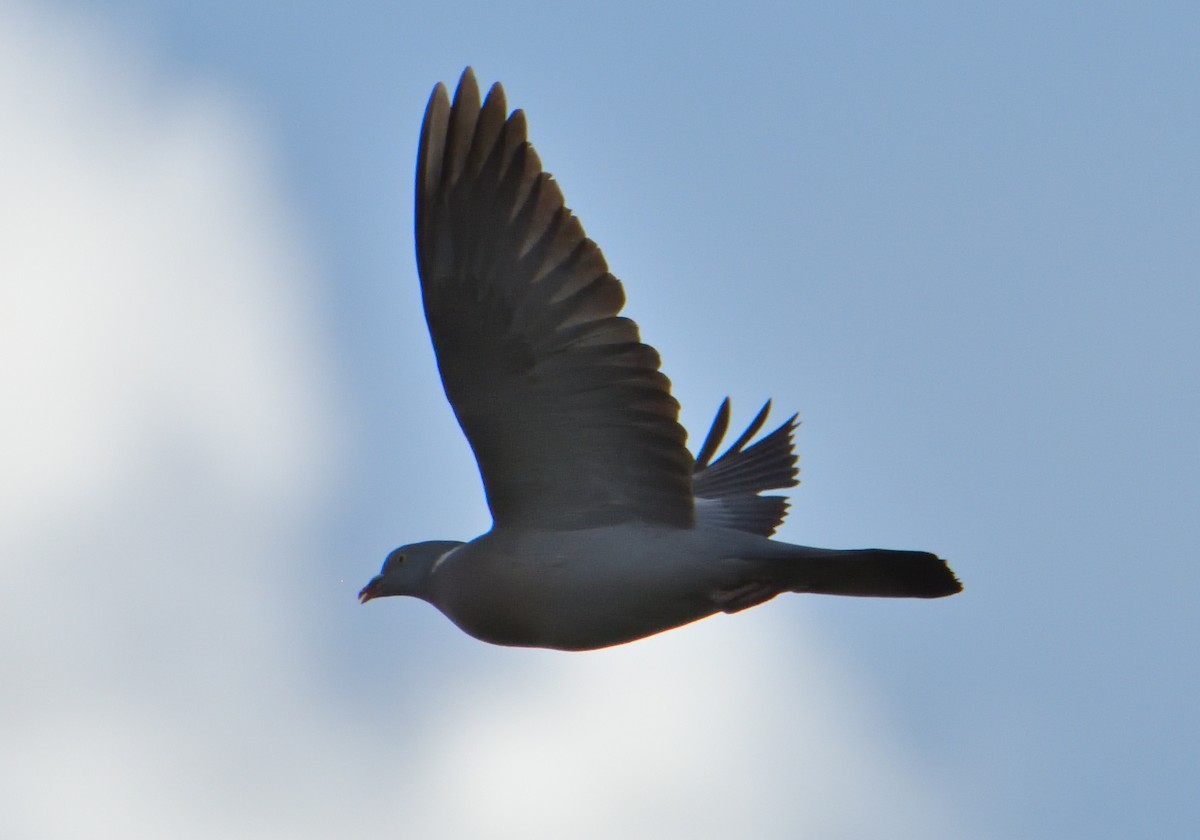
(570, 419)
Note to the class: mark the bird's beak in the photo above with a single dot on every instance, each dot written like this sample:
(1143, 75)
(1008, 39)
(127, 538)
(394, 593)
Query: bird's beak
(371, 590)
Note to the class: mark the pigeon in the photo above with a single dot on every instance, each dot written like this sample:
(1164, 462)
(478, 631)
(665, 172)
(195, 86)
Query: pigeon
(605, 528)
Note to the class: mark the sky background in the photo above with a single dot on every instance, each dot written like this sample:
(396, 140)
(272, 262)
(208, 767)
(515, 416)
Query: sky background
(960, 241)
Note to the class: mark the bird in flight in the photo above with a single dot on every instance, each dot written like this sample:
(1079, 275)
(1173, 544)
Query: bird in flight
(605, 528)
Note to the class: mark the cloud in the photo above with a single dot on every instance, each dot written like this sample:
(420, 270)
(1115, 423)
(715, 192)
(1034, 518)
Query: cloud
(165, 440)
(704, 732)
(163, 430)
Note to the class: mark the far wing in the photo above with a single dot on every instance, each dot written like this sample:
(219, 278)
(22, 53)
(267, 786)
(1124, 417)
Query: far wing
(727, 489)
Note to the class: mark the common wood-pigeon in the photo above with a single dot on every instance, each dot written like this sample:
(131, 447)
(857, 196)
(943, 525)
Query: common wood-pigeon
(605, 528)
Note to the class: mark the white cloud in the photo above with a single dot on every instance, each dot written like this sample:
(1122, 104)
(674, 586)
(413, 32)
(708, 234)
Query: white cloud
(733, 727)
(163, 432)
(164, 441)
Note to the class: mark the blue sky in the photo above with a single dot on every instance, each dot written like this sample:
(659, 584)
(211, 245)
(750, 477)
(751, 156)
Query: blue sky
(960, 242)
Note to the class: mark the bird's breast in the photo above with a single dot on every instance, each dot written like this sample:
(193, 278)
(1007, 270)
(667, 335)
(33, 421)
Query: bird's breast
(570, 590)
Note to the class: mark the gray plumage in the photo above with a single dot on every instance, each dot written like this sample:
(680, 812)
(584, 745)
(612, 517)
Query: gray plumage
(605, 528)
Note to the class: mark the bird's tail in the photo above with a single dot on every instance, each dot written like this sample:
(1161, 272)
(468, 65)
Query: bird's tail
(871, 572)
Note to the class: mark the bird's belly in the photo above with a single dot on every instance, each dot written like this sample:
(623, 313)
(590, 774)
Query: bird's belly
(567, 604)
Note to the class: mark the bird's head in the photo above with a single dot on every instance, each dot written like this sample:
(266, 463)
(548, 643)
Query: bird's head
(406, 570)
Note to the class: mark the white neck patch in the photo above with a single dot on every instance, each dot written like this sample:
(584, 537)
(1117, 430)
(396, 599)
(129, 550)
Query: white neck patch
(442, 559)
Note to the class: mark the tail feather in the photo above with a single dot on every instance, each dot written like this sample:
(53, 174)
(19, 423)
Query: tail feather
(874, 573)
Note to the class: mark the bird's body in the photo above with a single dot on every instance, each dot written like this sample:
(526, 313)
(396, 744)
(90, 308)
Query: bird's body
(596, 587)
(605, 528)
(582, 589)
